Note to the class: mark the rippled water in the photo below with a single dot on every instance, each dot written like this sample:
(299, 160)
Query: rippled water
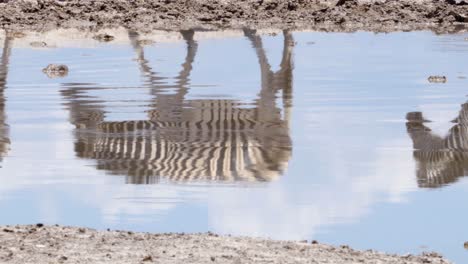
(289, 135)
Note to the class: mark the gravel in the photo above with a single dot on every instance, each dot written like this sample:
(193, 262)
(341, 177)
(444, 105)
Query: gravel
(58, 244)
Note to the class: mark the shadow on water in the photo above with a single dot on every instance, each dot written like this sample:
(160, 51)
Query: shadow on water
(4, 138)
(190, 140)
(440, 160)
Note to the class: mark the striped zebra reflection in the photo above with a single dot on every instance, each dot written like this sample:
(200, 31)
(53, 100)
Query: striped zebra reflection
(191, 140)
(4, 60)
(440, 160)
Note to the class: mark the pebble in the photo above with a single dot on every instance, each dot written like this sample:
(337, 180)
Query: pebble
(466, 245)
(437, 79)
(38, 44)
(147, 258)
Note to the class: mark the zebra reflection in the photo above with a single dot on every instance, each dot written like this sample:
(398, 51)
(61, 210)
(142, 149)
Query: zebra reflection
(191, 140)
(440, 160)
(4, 59)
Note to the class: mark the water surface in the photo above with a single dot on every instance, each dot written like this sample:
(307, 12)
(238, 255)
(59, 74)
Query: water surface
(288, 135)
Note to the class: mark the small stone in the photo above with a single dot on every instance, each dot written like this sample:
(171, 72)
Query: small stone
(342, 2)
(81, 230)
(39, 225)
(63, 258)
(104, 37)
(147, 258)
(213, 258)
(6, 230)
(432, 254)
(437, 79)
(466, 245)
(56, 70)
(314, 242)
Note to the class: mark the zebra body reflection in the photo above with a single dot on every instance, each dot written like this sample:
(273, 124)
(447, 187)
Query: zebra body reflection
(187, 140)
(440, 160)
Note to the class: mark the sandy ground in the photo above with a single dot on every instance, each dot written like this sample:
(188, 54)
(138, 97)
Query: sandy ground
(56, 244)
(336, 15)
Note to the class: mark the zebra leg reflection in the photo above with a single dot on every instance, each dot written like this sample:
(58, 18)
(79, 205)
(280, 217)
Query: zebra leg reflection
(4, 61)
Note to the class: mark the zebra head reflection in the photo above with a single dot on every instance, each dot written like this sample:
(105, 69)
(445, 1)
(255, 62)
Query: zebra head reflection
(440, 160)
(191, 140)
(4, 139)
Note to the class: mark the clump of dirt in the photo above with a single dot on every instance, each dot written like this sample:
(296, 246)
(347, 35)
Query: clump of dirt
(375, 15)
(56, 70)
(56, 244)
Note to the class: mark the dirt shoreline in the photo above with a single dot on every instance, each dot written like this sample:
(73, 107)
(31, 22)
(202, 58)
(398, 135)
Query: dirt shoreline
(329, 15)
(56, 244)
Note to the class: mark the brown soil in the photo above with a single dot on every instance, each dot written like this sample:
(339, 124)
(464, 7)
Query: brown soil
(54, 244)
(342, 15)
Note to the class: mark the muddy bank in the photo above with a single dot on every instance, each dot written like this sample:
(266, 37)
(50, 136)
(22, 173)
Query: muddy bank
(55, 244)
(341, 15)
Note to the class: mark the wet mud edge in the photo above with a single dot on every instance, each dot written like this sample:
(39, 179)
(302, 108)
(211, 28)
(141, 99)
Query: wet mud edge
(327, 15)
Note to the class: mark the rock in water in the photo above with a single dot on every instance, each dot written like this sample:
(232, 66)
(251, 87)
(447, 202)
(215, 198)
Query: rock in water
(56, 70)
(104, 37)
(437, 79)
